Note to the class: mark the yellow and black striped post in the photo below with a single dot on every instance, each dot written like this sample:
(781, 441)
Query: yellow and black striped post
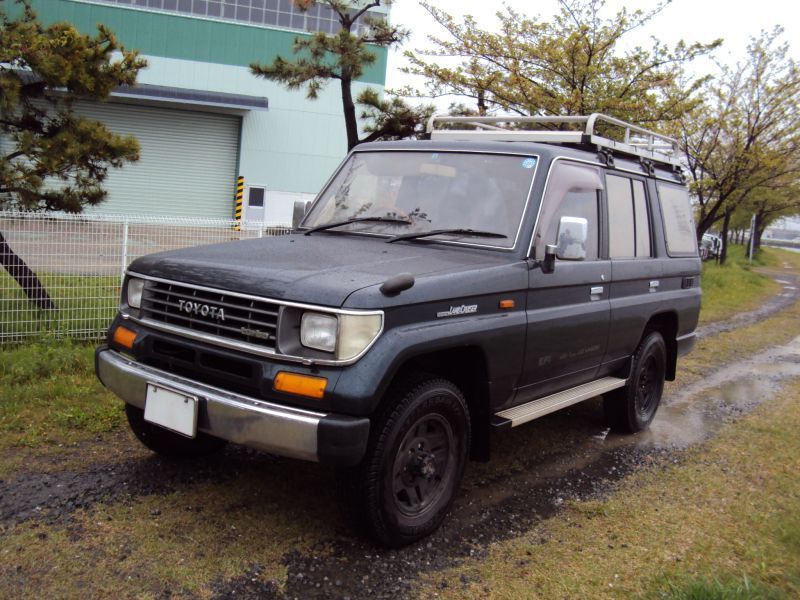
(239, 200)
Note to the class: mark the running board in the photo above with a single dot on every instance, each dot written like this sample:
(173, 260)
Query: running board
(517, 415)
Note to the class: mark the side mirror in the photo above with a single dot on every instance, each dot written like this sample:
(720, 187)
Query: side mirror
(572, 234)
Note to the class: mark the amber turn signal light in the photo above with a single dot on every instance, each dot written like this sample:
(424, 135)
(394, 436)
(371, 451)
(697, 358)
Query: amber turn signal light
(124, 337)
(302, 385)
(507, 304)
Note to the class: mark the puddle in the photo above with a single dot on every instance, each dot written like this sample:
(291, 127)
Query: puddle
(701, 409)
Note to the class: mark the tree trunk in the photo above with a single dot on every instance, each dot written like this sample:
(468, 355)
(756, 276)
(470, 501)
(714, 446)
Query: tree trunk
(759, 231)
(726, 221)
(24, 276)
(707, 218)
(350, 122)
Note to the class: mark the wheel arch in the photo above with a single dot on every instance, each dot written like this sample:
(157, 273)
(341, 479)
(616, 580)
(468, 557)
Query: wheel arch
(666, 323)
(467, 368)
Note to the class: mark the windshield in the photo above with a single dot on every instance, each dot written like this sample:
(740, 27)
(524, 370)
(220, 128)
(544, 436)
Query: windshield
(430, 190)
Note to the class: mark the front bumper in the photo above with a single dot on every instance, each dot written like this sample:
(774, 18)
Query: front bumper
(283, 430)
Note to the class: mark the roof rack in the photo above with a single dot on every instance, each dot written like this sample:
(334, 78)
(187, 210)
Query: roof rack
(636, 140)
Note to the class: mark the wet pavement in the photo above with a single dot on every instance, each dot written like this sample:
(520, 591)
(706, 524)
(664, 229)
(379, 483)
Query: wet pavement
(534, 470)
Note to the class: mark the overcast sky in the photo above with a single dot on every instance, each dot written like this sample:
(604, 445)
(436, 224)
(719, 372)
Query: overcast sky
(691, 20)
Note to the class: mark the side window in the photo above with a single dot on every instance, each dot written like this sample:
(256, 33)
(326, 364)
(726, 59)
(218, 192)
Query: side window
(573, 190)
(678, 224)
(628, 222)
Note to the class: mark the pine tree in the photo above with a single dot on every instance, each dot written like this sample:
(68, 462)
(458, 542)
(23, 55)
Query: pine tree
(321, 57)
(51, 158)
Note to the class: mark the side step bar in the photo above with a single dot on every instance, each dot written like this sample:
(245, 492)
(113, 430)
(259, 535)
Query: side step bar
(517, 415)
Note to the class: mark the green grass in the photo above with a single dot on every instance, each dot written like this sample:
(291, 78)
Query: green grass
(86, 304)
(49, 394)
(736, 286)
(714, 589)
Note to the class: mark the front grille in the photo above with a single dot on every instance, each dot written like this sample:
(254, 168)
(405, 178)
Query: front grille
(211, 312)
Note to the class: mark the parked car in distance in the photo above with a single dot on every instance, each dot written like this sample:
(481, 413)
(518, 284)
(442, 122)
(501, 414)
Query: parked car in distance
(710, 246)
(436, 292)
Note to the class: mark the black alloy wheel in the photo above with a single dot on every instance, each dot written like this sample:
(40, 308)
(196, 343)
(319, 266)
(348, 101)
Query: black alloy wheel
(421, 474)
(648, 391)
(633, 407)
(414, 462)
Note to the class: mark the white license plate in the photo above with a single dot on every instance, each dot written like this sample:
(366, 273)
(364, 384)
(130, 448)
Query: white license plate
(177, 412)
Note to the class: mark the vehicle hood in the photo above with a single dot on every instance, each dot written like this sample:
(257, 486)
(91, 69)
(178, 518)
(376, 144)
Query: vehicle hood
(323, 268)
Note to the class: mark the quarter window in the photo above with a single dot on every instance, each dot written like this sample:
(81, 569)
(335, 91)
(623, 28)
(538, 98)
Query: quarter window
(629, 225)
(678, 222)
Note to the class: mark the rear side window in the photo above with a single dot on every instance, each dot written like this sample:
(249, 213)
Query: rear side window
(629, 226)
(678, 222)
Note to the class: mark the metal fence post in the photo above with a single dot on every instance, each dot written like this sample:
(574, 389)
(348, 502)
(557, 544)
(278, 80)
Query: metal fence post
(124, 251)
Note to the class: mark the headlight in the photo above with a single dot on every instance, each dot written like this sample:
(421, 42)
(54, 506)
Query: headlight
(135, 289)
(356, 332)
(347, 335)
(318, 331)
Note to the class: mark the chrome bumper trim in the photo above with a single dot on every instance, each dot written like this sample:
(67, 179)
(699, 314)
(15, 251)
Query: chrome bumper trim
(240, 419)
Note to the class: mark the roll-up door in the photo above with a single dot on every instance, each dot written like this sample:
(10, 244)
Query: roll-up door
(187, 165)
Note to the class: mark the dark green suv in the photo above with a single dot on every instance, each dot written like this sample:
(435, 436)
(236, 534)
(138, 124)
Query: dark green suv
(435, 290)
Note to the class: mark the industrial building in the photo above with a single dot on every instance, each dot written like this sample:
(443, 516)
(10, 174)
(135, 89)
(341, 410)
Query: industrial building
(202, 118)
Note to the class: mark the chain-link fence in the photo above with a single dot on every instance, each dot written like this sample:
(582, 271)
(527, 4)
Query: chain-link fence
(60, 274)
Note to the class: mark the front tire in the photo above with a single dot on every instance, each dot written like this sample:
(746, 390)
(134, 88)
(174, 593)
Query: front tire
(169, 444)
(414, 463)
(632, 408)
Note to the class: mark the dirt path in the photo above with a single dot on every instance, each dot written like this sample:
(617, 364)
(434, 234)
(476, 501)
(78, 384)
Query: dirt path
(789, 294)
(533, 471)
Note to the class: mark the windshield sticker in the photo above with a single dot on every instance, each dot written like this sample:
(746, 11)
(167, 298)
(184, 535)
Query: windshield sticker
(435, 156)
(528, 163)
(464, 309)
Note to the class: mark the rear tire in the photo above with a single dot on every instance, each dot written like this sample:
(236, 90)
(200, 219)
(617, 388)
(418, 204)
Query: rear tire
(169, 444)
(414, 463)
(632, 408)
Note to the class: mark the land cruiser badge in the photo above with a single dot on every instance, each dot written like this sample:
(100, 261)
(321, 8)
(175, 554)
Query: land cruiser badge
(456, 311)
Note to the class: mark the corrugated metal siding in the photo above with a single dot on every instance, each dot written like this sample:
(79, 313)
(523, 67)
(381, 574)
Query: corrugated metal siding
(178, 36)
(187, 165)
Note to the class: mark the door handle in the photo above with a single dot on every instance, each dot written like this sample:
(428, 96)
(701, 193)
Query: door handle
(654, 285)
(596, 290)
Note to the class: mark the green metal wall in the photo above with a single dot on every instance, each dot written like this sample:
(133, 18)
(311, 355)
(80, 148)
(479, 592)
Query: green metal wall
(176, 36)
(292, 148)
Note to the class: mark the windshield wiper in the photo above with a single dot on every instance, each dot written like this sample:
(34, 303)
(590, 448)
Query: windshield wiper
(421, 234)
(358, 220)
